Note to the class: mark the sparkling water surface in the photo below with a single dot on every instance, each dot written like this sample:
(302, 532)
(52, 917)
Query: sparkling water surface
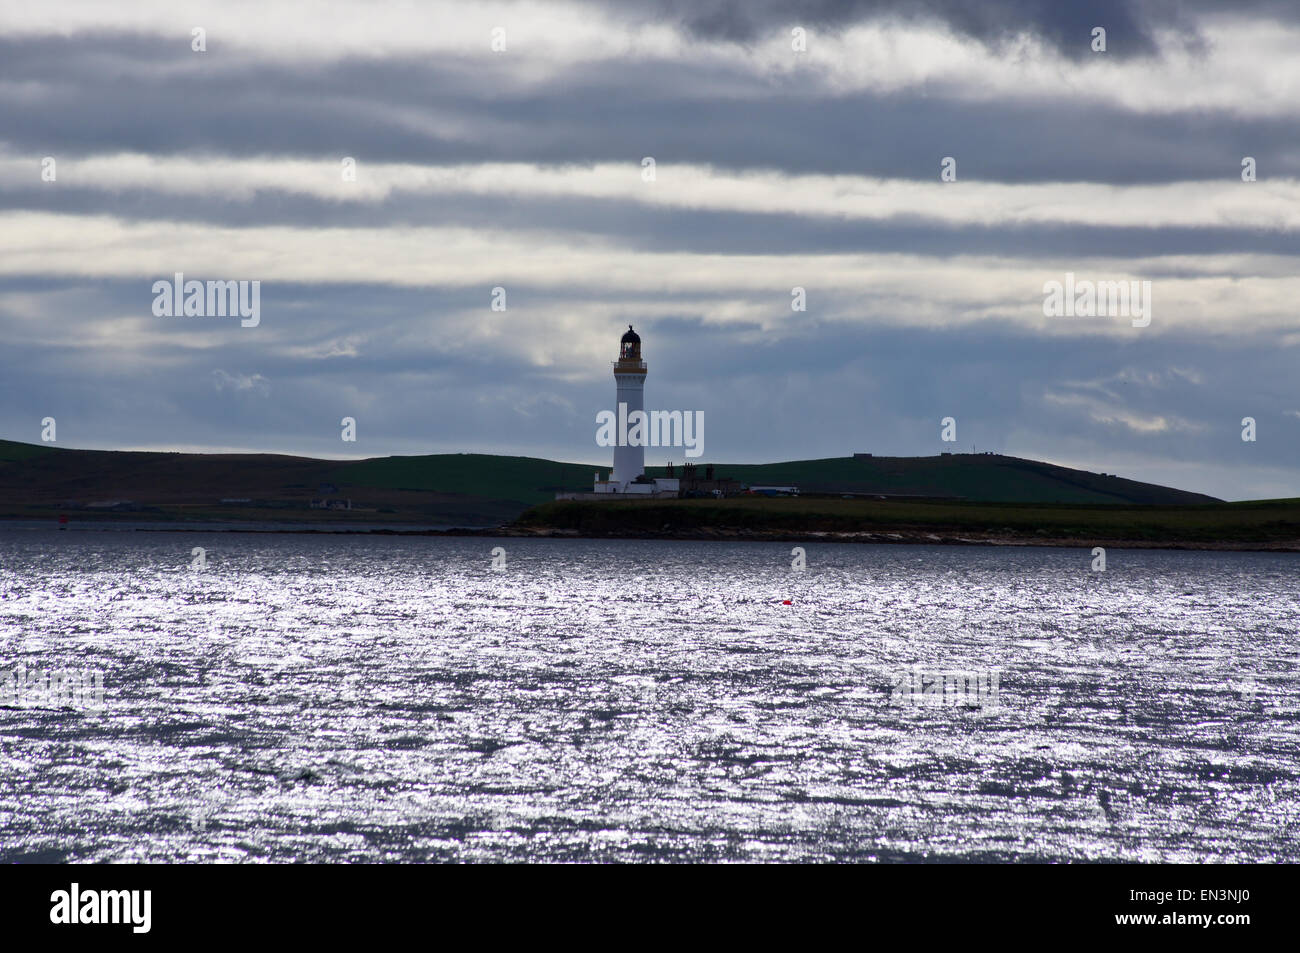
(334, 698)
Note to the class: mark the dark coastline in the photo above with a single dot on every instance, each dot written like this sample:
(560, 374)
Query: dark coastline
(886, 536)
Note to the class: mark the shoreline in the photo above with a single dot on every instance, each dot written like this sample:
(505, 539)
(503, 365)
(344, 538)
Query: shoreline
(917, 537)
(895, 536)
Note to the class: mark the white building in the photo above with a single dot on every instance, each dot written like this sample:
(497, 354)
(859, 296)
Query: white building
(628, 475)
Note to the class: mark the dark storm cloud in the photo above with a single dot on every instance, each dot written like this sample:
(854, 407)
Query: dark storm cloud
(1065, 24)
(650, 228)
(430, 112)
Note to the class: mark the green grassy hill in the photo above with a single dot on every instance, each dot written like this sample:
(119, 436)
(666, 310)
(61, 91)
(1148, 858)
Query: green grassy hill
(453, 489)
(480, 489)
(9, 450)
(982, 477)
(517, 479)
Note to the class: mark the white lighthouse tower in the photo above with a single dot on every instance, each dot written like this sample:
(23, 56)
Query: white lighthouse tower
(628, 475)
(629, 376)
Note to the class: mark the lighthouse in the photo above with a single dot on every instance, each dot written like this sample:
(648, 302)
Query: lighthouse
(629, 381)
(628, 430)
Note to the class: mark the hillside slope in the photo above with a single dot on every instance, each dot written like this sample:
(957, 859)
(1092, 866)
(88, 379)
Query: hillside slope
(480, 489)
(990, 478)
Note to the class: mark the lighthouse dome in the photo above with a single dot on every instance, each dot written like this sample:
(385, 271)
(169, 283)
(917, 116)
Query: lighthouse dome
(629, 347)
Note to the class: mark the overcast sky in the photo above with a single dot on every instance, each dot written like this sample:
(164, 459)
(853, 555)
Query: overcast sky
(774, 168)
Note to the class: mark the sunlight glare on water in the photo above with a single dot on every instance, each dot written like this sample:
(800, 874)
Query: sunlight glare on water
(349, 698)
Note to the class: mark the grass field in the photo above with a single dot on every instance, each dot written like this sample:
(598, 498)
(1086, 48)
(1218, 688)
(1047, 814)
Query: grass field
(523, 480)
(984, 477)
(484, 490)
(1266, 521)
(11, 451)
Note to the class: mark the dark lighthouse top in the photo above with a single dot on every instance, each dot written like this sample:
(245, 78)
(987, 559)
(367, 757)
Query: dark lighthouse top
(630, 349)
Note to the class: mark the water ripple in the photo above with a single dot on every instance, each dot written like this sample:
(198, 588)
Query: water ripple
(395, 699)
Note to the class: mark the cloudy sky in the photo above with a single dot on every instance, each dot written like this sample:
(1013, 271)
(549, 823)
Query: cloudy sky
(523, 168)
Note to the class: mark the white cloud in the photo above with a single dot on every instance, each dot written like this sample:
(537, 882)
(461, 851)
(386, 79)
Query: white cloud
(1255, 292)
(1247, 67)
(1114, 414)
(1273, 204)
(240, 382)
